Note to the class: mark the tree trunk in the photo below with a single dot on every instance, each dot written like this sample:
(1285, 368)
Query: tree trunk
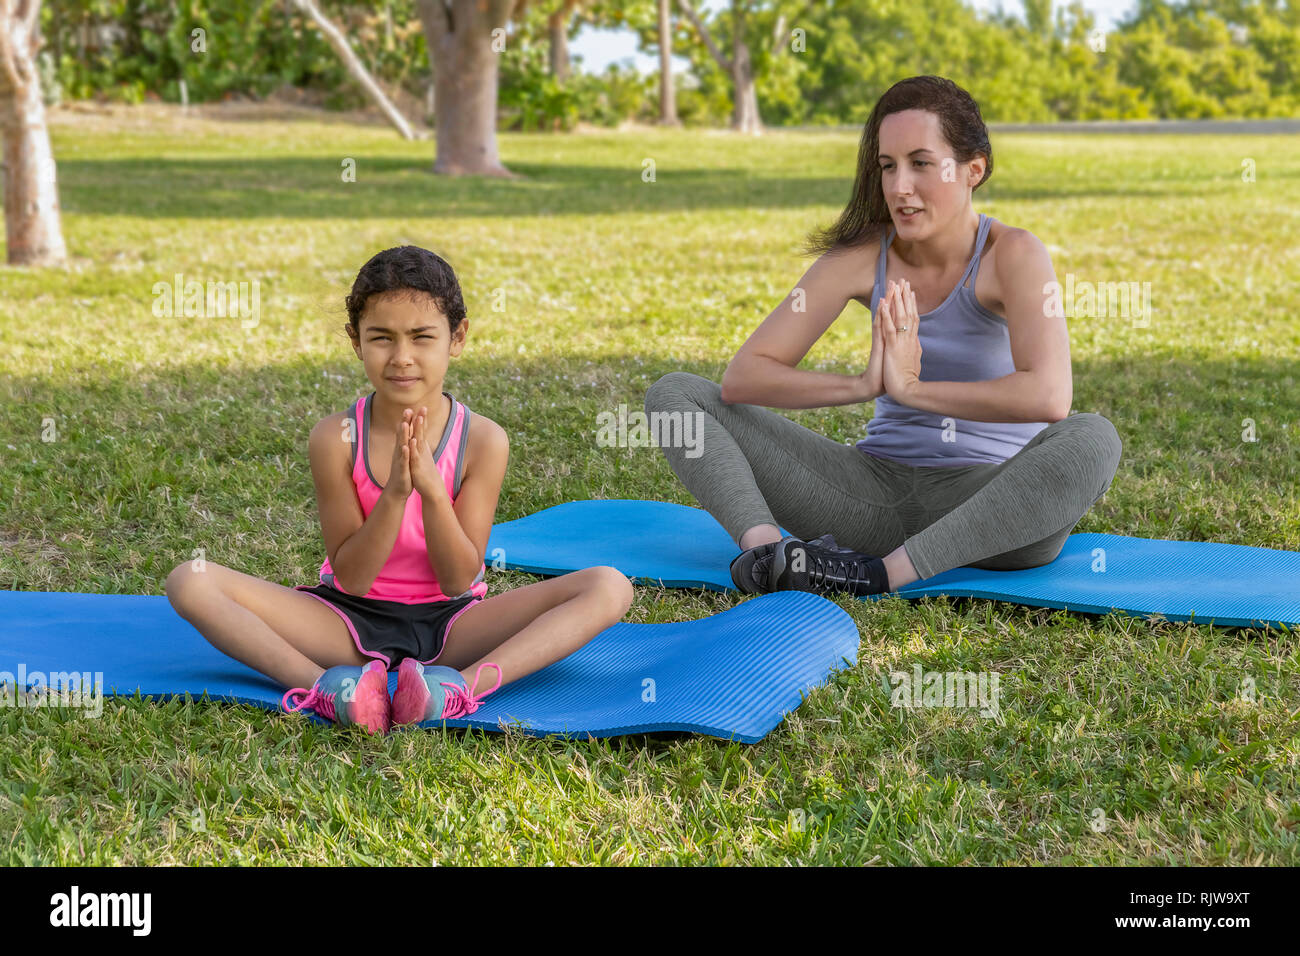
(465, 91)
(744, 114)
(557, 23)
(744, 95)
(33, 232)
(334, 36)
(465, 83)
(667, 93)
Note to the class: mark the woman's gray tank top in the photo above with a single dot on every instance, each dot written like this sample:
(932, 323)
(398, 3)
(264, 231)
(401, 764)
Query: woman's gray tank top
(961, 341)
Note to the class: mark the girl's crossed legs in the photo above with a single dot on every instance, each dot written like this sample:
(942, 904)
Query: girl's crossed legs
(293, 638)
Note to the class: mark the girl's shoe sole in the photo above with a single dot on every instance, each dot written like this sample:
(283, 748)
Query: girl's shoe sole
(371, 706)
(411, 698)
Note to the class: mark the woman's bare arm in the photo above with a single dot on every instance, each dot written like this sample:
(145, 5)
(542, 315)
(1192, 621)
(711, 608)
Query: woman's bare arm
(764, 371)
(1041, 389)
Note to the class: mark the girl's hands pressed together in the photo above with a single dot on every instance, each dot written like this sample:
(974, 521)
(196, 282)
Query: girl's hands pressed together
(399, 475)
(902, 365)
(425, 477)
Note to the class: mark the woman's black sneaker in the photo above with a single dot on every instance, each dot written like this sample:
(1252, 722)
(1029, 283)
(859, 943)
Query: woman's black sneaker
(812, 566)
(749, 569)
(828, 541)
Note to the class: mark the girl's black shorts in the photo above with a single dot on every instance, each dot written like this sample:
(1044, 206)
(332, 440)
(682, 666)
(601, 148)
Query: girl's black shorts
(391, 631)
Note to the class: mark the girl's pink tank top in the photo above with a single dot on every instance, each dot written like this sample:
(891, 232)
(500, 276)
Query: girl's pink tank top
(406, 576)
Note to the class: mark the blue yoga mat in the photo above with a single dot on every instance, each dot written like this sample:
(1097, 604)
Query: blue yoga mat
(733, 675)
(659, 542)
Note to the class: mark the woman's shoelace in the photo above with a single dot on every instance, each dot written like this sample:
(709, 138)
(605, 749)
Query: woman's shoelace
(851, 571)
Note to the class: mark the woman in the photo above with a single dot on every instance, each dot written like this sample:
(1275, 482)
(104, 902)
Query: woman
(975, 462)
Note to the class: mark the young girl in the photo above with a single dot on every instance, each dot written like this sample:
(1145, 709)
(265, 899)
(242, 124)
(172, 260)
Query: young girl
(407, 481)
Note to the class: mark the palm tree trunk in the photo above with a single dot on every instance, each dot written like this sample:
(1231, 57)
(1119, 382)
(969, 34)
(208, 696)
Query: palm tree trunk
(33, 229)
(667, 92)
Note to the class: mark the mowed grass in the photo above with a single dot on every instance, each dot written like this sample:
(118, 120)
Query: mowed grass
(1119, 740)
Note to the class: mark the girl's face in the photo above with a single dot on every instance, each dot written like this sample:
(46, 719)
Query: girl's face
(405, 344)
(917, 169)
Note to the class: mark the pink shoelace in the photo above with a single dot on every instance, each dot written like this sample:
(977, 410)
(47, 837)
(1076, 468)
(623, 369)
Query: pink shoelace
(462, 704)
(322, 704)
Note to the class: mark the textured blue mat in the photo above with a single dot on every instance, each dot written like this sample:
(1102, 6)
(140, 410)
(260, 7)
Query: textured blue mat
(733, 675)
(659, 542)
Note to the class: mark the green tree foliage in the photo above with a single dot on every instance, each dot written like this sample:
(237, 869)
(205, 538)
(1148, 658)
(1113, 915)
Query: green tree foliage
(816, 62)
(531, 99)
(1213, 58)
(125, 49)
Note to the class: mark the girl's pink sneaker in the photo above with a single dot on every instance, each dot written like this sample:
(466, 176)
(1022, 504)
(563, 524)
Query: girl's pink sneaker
(435, 693)
(348, 695)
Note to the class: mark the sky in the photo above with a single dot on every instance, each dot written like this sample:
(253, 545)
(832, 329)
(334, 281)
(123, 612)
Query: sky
(599, 48)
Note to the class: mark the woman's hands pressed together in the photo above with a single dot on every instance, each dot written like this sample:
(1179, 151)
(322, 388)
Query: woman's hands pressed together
(873, 378)
(901, 367)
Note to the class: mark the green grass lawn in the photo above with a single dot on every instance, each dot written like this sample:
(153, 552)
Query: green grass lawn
(1119, 740)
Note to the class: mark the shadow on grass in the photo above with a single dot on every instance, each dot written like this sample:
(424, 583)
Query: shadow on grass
(142, 458)
(396, 187)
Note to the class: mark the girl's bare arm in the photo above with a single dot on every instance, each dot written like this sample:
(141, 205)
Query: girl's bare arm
(357, 545)
(457, 535)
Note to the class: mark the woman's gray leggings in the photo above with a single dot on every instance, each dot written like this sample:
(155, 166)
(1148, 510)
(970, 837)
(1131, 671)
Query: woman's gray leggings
(757, 467)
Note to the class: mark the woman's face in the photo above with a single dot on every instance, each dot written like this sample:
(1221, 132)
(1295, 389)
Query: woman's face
(917, 170)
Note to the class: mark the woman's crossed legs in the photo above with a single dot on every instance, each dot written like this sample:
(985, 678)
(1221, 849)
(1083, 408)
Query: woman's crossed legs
(757, 470)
